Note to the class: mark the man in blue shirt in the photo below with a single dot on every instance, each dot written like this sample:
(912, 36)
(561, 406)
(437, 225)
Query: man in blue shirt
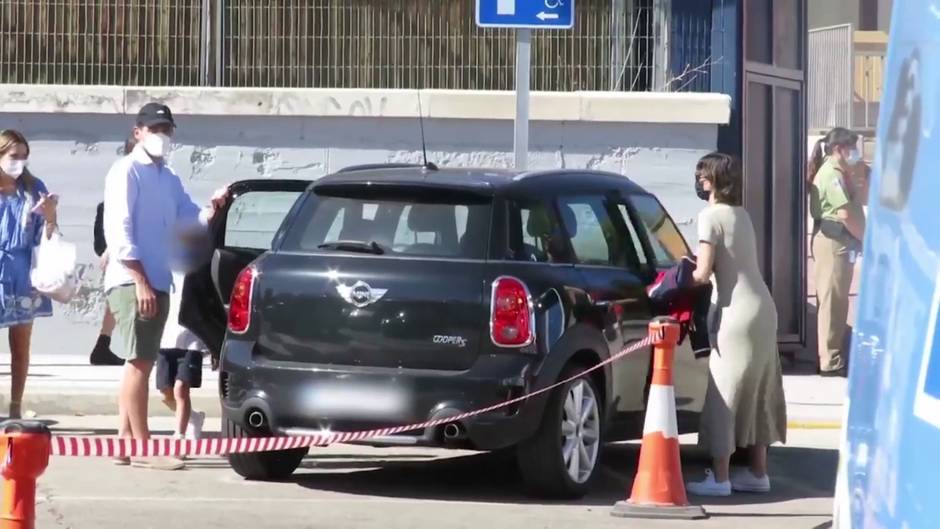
(145, 208)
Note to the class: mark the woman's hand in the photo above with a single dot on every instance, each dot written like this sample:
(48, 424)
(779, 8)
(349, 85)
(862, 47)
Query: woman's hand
(47, 207)
(103, 260)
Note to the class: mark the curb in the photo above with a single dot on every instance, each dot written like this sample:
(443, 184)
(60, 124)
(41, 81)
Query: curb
(45, 404)
(814, 425)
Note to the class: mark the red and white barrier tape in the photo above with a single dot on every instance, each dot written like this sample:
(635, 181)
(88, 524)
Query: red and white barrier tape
(74, 446)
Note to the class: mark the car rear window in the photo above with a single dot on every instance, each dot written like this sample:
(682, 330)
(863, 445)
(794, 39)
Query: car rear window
(399, 222)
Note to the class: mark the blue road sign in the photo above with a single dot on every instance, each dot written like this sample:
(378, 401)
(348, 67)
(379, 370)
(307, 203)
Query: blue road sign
(532, 14)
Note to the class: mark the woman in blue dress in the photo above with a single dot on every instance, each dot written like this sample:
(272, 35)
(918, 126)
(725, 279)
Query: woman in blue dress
(27, 213)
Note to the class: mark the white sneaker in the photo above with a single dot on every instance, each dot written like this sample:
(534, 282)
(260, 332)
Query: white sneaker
(744, 480)
(709, 487)
(196, 421)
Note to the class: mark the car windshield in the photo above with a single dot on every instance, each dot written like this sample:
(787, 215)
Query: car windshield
(397, 222)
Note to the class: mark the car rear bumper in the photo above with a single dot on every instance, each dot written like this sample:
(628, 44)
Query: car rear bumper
(298, 399)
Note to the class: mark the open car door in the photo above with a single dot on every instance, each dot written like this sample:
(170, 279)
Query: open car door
(240, 232)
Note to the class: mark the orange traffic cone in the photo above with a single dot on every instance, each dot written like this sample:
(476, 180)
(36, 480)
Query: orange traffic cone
(659, 490)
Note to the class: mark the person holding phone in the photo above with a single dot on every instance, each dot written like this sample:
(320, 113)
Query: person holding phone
(27, 214)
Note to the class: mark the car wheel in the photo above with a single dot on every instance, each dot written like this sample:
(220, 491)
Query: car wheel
(262, 466)
(562, 458)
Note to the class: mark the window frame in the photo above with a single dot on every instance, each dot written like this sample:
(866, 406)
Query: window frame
(653, 260)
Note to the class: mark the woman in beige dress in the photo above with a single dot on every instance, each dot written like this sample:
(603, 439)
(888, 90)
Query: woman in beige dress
(744, 403)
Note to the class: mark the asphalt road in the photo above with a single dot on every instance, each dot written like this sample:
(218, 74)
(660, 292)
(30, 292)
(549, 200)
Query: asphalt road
(360, 487)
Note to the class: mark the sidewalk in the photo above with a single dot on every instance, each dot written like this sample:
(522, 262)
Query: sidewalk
(67, 385)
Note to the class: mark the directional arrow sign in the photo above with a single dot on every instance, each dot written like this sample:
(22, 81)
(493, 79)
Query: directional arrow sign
(532, 14)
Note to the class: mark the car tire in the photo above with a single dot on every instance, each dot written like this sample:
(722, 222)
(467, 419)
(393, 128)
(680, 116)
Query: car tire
(545, 460)
(262, 466)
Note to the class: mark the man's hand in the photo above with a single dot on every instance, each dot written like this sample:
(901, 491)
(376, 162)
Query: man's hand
(103, 260)
(146, 300)
(218, 201)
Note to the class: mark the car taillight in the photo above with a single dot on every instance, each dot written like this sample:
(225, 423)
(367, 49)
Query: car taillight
(239, 309)
(512, 320)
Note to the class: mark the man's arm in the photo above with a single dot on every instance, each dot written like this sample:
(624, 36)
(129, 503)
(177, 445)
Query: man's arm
(120, 200)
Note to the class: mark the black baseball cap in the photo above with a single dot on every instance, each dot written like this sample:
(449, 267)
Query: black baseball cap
(153, 114)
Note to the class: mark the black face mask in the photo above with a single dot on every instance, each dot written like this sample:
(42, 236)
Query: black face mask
(700, 189)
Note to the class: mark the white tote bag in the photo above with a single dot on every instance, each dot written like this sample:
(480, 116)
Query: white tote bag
(53, 273)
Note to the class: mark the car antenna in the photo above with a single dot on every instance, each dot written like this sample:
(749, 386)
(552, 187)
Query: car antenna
(424, 147)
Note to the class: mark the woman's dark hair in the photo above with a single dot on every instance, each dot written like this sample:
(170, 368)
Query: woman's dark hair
(130, 143)
(724, 173)
(837, 137)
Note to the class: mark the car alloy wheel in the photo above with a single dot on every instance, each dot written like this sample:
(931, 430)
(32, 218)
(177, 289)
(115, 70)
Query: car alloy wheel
(580, 431)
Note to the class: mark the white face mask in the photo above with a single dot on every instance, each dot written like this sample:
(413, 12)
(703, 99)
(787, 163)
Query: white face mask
(157, 144)
(854, 157)
(13, 168)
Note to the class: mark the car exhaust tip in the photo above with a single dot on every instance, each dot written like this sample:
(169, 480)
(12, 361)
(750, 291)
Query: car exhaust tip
(454, 432)
(256, 419)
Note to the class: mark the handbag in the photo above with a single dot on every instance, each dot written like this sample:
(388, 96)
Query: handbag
(53, 271)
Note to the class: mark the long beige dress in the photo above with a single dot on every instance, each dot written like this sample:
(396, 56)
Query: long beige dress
(744, 403)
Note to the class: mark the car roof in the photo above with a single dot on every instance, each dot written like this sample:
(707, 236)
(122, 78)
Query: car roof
(481, 180)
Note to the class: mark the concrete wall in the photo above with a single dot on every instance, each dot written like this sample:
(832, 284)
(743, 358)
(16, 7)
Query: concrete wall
(76, 133)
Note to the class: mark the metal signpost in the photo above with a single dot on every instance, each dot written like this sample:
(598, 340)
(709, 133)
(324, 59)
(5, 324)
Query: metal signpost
(524, 16)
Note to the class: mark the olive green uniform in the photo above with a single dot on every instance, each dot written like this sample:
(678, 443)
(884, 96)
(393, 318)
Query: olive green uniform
(835, 264)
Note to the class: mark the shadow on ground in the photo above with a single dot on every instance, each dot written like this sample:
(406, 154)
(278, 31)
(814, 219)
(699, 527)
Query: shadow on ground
(492, 478)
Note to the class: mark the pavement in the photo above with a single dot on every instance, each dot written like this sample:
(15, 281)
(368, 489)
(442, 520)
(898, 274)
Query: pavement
(67, 385)
(408, 488)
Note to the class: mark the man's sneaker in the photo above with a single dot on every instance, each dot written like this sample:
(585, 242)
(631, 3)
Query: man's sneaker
(744, 480)
(196, 421)
(709, 487)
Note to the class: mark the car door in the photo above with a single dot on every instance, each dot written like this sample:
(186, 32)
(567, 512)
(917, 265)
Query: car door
(241, 231)
(616, 288)
(659, 245)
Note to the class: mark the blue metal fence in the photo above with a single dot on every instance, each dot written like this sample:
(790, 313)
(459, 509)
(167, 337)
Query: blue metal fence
(690, 46)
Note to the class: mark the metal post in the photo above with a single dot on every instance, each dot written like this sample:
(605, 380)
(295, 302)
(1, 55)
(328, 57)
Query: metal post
(523, 66)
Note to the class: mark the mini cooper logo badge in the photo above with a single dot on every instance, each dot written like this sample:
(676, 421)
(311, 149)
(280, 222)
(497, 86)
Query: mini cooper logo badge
(360, 294)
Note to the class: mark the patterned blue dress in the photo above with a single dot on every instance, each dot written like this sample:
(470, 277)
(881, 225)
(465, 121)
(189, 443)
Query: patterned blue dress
(20, 232)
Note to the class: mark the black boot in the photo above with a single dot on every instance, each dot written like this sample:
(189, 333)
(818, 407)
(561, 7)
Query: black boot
(101, 355)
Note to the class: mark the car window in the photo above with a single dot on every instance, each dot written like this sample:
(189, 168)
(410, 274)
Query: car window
(664, 237)
(535, 233)
(641, 257)
(591, 230)
(400, 226)
(254, 217)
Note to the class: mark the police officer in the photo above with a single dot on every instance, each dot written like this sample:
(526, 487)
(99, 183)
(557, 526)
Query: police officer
(838, 228)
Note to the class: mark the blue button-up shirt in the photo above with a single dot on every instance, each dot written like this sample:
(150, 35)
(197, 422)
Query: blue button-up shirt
(144, 207)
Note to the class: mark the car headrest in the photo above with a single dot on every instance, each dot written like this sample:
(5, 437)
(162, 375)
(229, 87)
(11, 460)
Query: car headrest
(570, 220)
(539, 223)
(424, 219)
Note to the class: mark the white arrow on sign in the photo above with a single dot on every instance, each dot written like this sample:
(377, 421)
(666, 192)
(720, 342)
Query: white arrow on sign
(543, 16)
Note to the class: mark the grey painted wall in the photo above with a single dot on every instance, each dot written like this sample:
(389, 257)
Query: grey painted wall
(72, 153)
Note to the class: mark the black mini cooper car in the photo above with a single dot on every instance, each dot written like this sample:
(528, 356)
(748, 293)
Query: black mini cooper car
(386, 295)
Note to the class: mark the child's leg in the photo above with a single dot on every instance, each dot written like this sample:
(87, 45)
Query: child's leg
(184, 406)
(169, 399)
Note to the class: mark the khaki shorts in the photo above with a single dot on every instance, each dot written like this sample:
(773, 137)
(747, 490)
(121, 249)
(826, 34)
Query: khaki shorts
(141, 336)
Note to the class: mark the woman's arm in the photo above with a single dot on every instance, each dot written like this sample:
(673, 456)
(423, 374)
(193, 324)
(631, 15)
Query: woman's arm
(705, 264)
(853, 221)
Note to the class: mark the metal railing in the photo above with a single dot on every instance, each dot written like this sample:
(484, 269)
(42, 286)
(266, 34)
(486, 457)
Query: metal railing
(615, 45)
(115, 42)
(829, 83)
